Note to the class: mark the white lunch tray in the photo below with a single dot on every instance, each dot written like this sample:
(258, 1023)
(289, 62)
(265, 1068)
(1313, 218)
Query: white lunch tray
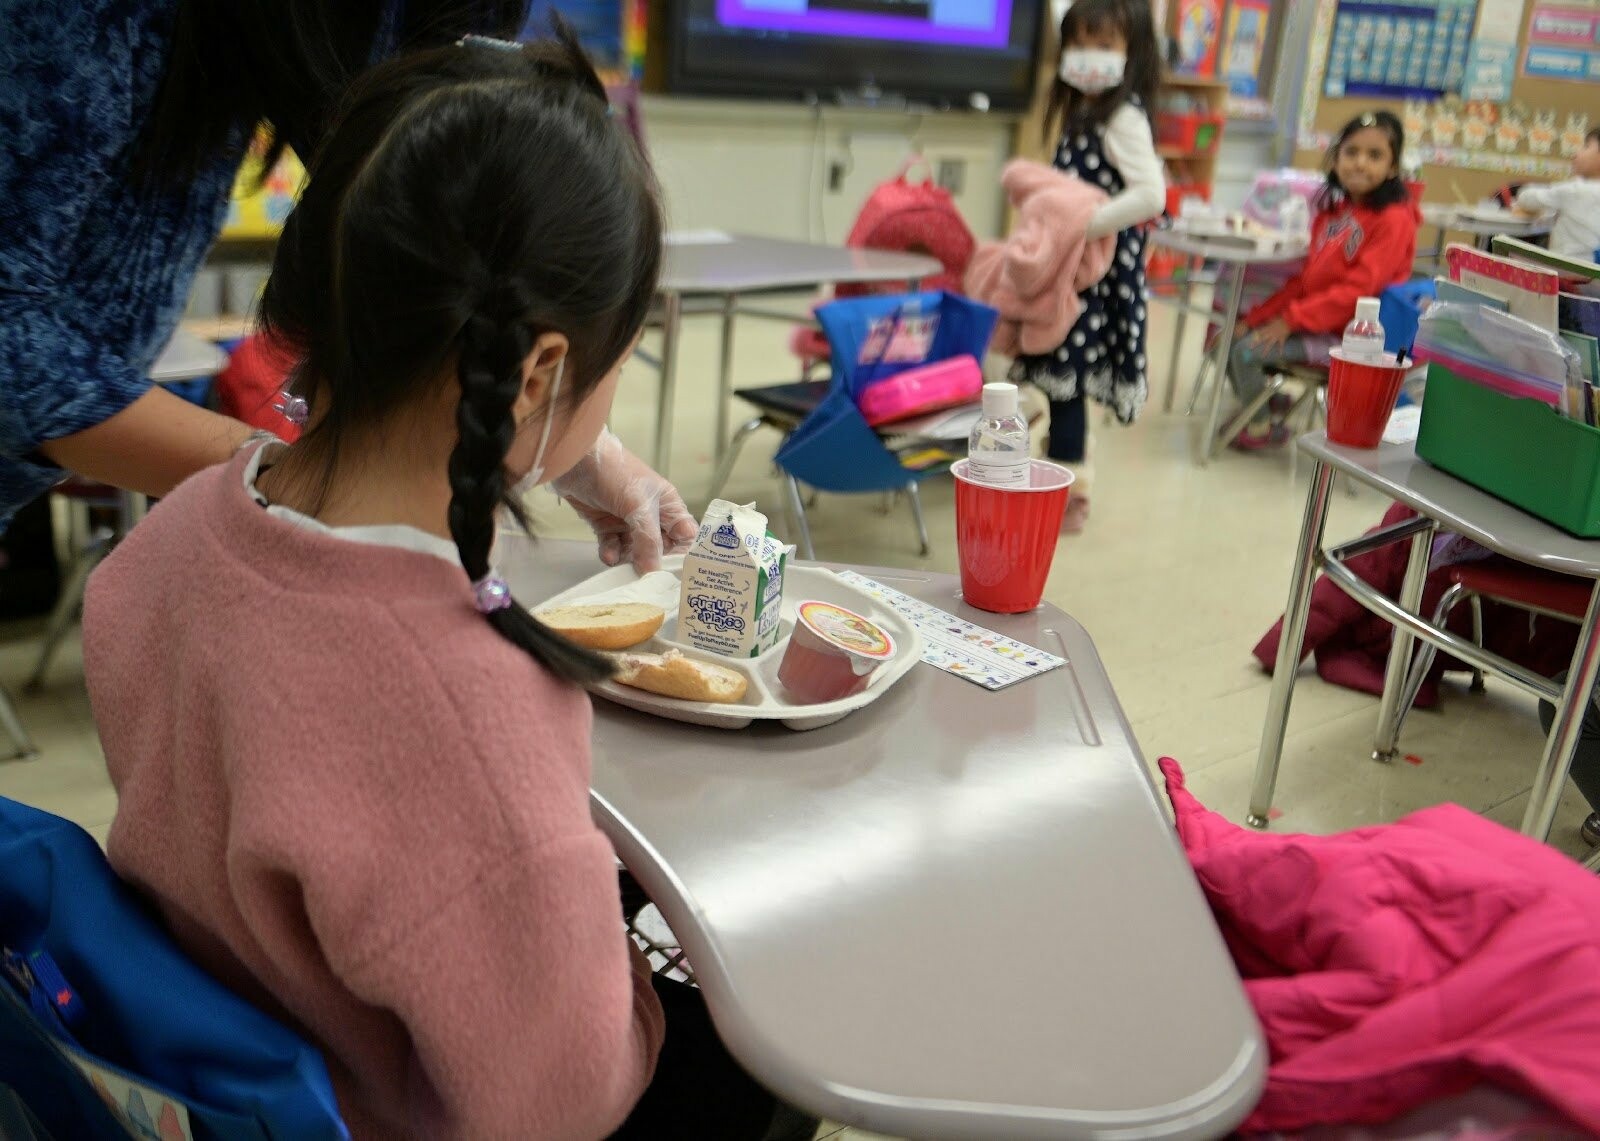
(765, 700)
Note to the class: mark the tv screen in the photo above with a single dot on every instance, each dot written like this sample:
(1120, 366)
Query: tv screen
(944, 53)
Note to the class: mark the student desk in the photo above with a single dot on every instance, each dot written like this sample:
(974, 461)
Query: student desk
(712, 270)
(1446, 219)
(953, 914)
(1442, 502)
(1234, 260)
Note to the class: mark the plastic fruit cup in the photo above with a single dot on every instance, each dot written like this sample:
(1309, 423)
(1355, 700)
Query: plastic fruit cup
(1006, 536)
(832, 653)
(1361, 398)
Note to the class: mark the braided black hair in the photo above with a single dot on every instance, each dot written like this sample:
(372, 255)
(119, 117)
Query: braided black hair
(466, 202)
(490, 371)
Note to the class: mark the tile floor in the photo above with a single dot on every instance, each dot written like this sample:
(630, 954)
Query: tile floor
(1180, 571)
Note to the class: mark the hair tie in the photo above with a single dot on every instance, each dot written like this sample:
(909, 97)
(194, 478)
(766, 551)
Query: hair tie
(492, 593)
(293, 408)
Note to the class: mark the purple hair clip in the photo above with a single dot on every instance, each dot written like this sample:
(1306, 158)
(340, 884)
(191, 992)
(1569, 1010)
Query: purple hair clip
(493, 593)
(294, 409)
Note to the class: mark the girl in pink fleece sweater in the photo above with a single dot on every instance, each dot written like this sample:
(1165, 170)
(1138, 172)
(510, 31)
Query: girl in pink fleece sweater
(352, 770)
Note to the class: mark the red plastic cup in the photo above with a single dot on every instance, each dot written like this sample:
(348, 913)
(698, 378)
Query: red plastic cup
(1361, 398)
(1006, 536)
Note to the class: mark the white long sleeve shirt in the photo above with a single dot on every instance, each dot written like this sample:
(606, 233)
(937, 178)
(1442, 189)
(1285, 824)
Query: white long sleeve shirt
(1130, 147)
(1576, 233)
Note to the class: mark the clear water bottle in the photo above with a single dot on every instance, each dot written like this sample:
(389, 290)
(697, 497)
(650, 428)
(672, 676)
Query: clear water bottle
(997, 450)
(1294, 218)
(1363, 337)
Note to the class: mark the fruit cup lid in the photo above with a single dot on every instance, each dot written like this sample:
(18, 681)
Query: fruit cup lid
(864, 640)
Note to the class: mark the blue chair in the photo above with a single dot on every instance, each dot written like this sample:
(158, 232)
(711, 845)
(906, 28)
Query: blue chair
(833, 448)
(108, 1031)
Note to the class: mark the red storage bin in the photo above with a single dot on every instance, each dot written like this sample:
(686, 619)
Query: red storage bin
(1189, 131)
(1178, 191)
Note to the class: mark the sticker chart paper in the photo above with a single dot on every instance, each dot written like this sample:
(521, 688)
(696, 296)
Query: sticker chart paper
(962, 648)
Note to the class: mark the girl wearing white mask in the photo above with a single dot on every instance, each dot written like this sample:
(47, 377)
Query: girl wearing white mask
(353, 771)
(1110, 65)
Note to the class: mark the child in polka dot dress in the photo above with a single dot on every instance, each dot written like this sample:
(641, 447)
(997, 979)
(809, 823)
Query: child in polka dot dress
(1109, 68)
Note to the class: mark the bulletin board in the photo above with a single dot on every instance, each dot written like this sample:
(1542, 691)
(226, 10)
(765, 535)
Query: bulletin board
(1498, 117)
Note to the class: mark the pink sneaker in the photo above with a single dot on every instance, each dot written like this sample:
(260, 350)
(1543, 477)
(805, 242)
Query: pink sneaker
(1076, 515)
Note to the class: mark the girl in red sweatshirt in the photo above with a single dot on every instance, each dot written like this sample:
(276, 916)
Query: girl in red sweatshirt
(1364, 239)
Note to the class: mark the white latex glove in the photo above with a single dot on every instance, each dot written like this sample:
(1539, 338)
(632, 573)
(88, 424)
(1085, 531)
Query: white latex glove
(637, 515)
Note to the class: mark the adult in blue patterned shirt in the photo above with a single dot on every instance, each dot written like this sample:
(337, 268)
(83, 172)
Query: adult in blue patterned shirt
(122, 127)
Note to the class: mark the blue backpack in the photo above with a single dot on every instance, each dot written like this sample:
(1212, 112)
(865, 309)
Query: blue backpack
(108, 1031)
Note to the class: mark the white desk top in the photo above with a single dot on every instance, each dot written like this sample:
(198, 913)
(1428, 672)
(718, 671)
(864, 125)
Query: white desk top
(700, 263)
(1448, 217)
(1397, 472)
(187, 357)
(1214, 250)
(954, 914)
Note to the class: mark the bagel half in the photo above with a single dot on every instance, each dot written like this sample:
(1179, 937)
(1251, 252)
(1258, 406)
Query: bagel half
(605, 625)
(673, 675)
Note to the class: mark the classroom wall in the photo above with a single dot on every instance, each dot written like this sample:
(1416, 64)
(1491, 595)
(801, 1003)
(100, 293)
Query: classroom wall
(790, 171)
(1455, 164)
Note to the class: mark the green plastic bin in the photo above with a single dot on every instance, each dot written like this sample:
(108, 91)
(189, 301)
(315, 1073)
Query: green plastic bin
(1523, 451)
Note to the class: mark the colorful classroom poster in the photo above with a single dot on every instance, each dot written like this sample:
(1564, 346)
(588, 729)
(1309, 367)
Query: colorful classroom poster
(1248, 23)
(1563, 42)
(1400, 49)
(1199, 33)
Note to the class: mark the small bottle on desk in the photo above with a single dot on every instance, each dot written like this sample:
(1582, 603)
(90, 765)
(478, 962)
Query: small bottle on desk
(997, 450)
(1363, 336)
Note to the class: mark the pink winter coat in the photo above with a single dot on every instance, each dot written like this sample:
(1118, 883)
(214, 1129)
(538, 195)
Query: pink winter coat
(1394, 965)
(1034, 276)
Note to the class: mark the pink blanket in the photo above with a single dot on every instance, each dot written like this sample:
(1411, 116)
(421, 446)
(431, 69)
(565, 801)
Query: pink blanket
(1034, 276)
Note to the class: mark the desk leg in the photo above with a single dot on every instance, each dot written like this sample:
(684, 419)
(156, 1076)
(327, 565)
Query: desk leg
(1557, 759)
(132, 506)
(22, 744)
(1294, 636)
(1185, 299)
(1394, 679)
(671, 326)
(1435, 256)
(1219, 366)
(724, 379)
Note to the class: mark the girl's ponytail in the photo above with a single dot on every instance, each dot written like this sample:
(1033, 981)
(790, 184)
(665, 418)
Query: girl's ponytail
(490, 372)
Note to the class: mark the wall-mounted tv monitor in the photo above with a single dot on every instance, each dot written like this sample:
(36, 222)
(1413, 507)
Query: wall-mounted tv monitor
(943, 53)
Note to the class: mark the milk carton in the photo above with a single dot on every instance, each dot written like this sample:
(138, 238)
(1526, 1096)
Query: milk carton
(732, 593)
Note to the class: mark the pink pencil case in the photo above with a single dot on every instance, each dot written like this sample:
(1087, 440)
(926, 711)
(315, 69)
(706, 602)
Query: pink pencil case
(918, 391)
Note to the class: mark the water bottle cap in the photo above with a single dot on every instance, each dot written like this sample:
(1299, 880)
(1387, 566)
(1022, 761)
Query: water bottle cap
(999, 401)
(1367, 309)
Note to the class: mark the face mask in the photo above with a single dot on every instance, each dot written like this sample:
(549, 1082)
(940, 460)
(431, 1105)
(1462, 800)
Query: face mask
(536, 473)
(1092, 70)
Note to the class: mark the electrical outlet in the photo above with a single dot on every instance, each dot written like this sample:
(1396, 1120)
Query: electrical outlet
(951, 173)
(836, 172)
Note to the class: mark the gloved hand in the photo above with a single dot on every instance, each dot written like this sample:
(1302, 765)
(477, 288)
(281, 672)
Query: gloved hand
(637, 514)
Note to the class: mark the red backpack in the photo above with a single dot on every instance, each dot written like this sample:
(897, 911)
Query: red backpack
(901, 217)
(913, 218)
